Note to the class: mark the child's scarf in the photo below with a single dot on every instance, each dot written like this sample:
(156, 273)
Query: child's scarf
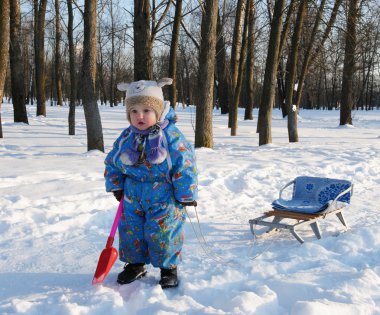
(137, 154)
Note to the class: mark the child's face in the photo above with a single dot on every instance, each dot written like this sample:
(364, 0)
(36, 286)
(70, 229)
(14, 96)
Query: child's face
(142, 117)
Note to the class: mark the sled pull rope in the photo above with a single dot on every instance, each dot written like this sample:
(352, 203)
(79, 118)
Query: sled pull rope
(207, 249)
(205, 246)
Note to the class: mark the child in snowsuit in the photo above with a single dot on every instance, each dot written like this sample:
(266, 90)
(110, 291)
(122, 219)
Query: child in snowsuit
(153, 167)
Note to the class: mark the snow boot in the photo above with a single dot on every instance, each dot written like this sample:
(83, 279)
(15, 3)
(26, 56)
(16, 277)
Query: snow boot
(168, 278)
(131, 273)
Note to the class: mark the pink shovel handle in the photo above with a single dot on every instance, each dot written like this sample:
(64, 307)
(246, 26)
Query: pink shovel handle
(117, 218)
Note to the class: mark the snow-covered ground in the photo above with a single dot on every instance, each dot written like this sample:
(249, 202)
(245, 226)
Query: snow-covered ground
(55, 217)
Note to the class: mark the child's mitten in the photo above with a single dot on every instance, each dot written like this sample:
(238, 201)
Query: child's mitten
(118, 194)
(188, 203)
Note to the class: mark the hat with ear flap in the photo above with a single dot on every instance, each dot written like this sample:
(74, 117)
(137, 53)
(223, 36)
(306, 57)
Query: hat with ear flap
(144, 92)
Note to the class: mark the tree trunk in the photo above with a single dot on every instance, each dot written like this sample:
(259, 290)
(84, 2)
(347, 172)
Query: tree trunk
(17, 64)
(347, 93)
(291, 78)
(58, 71)
(143, 64)
(241, 69)
(235, 58)
(39, 54)
(173, 53)
(100, 71)
(71, 118)
(248, 115)
(203, 130)
(112, 69)
(221, 69)
(91, 110)
(264, 125)
(4, 46)
(309, 56)
(281, 74)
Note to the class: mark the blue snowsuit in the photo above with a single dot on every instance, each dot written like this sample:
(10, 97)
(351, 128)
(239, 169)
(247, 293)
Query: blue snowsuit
(151, 226)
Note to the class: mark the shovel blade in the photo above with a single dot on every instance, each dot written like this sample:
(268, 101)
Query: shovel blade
(106, 260)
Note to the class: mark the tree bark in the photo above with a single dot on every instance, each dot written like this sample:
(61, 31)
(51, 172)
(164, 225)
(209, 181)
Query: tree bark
(58, 59)
(235, 58)
(100, 71)
(281, 74)
(71, 118)
(268, 94)
(221, 69)
(143, 64)
(17, 64)
(248, 114)
(241, 69)
(173, 53)
(91, 110)
(112, 69)
(347, 92)
(309, 57)
(203, 130)
(4, 46)
(291, 78)
(39, 54)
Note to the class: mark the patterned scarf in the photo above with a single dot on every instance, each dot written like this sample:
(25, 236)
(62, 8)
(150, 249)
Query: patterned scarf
(137, 154)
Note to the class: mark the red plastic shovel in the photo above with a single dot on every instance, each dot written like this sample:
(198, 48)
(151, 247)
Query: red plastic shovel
(109, 254)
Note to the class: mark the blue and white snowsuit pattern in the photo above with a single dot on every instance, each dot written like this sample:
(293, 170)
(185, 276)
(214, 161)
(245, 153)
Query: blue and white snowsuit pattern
(151, 225)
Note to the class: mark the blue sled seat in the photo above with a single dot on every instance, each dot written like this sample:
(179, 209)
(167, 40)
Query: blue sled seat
(315, 195)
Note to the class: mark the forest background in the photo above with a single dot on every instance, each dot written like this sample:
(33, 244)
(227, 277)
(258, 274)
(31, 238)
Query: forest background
(225, 54)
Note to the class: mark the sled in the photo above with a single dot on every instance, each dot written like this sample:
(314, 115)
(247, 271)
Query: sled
(313, 199)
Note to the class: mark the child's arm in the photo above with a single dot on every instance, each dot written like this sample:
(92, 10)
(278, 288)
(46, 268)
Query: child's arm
(114, 177)
(184, 173)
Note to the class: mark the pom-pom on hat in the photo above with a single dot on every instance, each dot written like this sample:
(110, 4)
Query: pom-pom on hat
(144, 92)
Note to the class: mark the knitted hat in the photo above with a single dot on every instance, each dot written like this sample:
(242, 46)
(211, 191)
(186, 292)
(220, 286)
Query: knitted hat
(147, 93)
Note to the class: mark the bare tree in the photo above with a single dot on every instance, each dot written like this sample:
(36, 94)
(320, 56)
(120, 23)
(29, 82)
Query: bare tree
(222, 69)
(173, 53)
(112, 57)
(70, 24)
(250, 60)
(145, 29)
(203, 130)
(235, 58)
(101, 67)
(39, 54)
(91, 110)
(142, 41)
(264, 123)
(58, 59)
(17, 64)
(349, 67)
(314, 49)
(241, 70)
(291, 78)
(4, 41)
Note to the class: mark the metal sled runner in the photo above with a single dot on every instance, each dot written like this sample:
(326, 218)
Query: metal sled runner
(313, 198)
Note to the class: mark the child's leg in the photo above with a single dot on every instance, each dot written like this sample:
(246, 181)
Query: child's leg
(132, 246)
(164, 233)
